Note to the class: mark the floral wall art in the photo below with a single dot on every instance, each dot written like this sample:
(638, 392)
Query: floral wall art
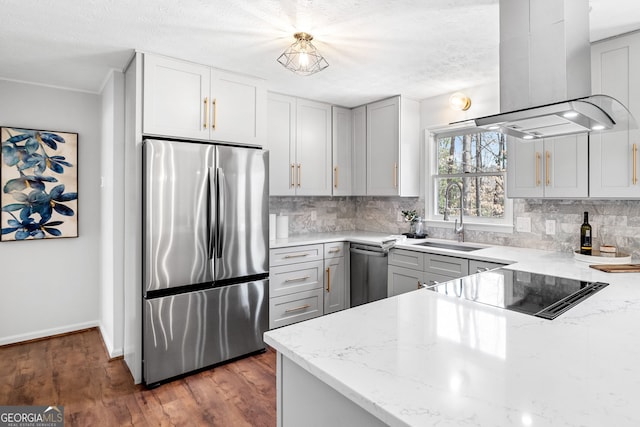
(39, 181)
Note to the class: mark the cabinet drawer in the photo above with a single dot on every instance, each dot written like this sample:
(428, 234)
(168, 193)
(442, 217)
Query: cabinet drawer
(288, 279)
(293, 308)
(446, 265)
(476, 266)
(295, 254)
(334, 250)
(406, 258)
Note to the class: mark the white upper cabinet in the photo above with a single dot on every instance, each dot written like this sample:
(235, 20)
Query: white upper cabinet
(281, 143)
(342, 151)
(393, 147)
(313, 148)
(550, 168)
(614, 156)
(299, 141)
(359, 158)
(186, 100)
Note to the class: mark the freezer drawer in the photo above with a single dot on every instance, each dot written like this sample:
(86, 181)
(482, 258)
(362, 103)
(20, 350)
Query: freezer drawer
(189, 331)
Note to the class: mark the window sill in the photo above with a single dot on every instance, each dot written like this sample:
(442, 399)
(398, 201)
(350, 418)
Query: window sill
(476, 226)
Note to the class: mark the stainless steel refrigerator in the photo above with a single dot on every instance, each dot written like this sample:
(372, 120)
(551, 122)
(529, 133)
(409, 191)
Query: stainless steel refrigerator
(206, 255)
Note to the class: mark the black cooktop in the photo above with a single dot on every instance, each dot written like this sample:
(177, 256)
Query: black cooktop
(540, 295)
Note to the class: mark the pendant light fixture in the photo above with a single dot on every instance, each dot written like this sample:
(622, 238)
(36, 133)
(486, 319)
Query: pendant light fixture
(302, 57)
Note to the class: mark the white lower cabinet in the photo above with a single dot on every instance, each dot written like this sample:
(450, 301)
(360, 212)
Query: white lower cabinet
(403, 279)
(294, 308)
(307, 281)
(409, 270)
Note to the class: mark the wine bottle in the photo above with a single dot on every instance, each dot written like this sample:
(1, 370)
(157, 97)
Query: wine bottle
(585, 236)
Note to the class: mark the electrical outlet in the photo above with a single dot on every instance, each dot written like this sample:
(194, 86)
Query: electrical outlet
(550, 226)
(314, 216)
(523, 224)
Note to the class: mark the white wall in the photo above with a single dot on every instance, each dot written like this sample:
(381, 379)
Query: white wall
(52, 286)
(112, 226)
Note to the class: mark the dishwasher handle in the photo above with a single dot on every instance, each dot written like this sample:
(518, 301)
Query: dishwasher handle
(368, 253)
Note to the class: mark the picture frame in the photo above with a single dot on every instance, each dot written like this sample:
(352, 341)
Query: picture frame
(38, 184)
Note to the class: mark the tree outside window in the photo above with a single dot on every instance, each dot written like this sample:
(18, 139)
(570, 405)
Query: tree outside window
(478, 160)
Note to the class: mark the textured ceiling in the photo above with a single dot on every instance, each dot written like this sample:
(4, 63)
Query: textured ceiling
(375, 48)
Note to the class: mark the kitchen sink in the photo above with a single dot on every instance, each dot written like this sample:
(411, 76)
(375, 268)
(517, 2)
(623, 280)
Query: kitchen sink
(452, 246)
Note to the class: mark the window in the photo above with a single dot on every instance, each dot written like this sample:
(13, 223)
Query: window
(476, 161)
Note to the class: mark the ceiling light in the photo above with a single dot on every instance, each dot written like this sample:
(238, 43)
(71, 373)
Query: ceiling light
(302, 57)
(459, 101)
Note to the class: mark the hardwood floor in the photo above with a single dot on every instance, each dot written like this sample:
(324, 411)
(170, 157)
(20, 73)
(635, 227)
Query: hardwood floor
(75, 372)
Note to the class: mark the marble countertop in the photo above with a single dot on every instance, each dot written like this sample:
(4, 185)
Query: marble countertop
(422, 358)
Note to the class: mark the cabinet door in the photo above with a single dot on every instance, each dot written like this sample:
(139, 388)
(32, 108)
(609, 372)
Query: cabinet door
(401, 280)
(566, 166)
(335, 295)
(175, 98)
(238, 110)
(359, 161)
(342, 151)
(383, 133)
(613, 155)
(313, 148)
(281, 140)
(524, 172)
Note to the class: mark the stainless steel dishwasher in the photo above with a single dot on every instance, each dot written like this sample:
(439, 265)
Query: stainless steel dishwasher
(368, 273)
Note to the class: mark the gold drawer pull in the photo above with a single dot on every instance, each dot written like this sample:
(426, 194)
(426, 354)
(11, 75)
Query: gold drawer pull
(297, 279)
(302, 307)
(206, 112)
(296, 255)
(547, 168)
(334, 250)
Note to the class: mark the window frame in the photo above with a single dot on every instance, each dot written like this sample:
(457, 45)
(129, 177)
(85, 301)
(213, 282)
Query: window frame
(502, 225)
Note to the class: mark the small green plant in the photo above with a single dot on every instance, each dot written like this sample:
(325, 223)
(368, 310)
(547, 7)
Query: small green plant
(410, 216)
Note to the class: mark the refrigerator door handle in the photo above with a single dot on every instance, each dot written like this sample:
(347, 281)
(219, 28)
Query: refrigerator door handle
(211, 207)
(220, 209)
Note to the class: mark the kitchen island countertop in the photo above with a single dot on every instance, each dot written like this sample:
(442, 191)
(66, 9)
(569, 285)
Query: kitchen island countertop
(422, 358)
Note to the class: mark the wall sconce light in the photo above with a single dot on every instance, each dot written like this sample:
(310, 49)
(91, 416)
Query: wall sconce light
(459, 101)
(302, 57)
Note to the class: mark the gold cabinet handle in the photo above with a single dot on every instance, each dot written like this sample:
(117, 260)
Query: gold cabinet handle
(335, 177)
(635, 164)
(292, 175)
(328, 279)
(215, 113)
(302, 307)
(206, 112)
(297, 279)
(395, 174)
(537, 169)
(299, 180)
(296, 255)
(334, 250)
(546, 169)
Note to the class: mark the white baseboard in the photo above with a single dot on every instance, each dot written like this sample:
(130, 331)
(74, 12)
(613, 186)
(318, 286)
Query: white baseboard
(13, 339)
(108, 343)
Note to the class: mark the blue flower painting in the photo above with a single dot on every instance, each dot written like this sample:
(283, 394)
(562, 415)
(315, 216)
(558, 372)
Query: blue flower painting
(39, 184)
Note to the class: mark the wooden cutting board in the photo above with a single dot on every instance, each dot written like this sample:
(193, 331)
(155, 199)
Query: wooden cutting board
(617, 268)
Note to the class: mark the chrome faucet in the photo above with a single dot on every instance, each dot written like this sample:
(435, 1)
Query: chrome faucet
(459, 230)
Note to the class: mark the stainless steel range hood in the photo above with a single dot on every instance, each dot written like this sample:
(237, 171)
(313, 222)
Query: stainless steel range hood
(545, 74)
(596, 113)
